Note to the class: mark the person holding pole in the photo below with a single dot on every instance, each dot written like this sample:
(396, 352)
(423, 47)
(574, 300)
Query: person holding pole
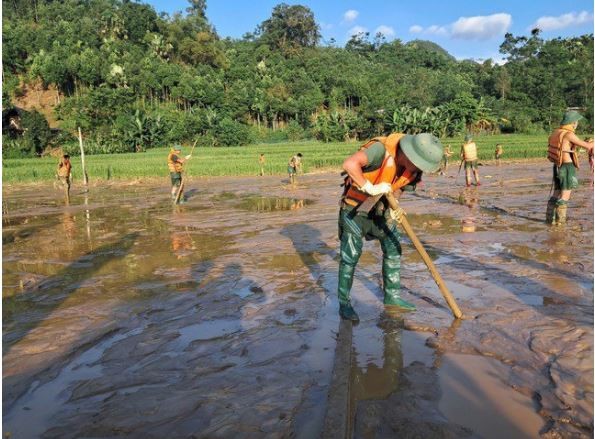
(175, 165)
(384, 165)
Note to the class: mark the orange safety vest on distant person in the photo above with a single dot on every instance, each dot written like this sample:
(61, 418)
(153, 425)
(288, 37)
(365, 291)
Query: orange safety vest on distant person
(173, 164)
(554, 148)
(386, 173)
(64, 168)
(470, 151)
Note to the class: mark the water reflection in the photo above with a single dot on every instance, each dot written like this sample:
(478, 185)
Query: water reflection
(182, 243)
(271, 204)
(378, 376)
(469, 198)
(257, 203)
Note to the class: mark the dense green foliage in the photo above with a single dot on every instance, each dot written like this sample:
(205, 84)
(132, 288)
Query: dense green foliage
(244, 161)
(134, 79)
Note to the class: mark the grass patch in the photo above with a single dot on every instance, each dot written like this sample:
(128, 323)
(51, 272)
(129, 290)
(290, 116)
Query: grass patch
(243, 161)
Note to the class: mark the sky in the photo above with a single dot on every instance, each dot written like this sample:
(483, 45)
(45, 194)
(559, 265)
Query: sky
(466, 29)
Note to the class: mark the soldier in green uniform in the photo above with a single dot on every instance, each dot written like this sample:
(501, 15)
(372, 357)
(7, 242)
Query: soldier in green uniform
(562, 152)
(294, 165)
(175, 164)
(384, 164)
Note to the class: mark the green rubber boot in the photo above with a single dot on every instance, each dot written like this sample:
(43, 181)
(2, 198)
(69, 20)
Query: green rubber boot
(560, 212)
(391, 271)
(350, 252)
(550, 212)
(347, 312)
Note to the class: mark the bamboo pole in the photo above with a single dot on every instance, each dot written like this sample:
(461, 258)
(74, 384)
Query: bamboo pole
(450, 300)
(85, 176)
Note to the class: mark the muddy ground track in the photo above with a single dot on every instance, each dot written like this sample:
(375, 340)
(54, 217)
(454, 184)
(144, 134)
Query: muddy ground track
(125, 316)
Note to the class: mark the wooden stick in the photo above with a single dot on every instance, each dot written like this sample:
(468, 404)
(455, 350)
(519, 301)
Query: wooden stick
(192, 150)
(180, 189)
(85, 177)
(450, 300)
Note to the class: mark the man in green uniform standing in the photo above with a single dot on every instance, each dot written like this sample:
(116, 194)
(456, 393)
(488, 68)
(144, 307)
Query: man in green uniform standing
(469, 154)
(294, 165)
(384, 164)
(563, 153)
(261, 162)
(444, 166)
(63, 172)
(175, 164)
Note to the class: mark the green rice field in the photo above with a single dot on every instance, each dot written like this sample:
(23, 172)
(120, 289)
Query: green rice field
(243, 161)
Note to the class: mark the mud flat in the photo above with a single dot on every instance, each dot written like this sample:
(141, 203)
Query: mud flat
(125, 316)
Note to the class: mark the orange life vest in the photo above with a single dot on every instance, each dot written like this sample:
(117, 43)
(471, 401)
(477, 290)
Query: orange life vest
(470, 151)
(172, 162)
(386, 173)
(64, 168)
(554, 148)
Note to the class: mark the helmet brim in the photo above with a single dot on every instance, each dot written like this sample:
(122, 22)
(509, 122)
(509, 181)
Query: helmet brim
(571, 118)
(406, 145)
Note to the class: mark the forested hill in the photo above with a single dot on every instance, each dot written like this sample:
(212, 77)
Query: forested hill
(133, 78)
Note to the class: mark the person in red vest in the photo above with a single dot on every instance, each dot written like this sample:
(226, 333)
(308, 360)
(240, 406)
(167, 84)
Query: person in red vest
(562, 152)
(384, 164)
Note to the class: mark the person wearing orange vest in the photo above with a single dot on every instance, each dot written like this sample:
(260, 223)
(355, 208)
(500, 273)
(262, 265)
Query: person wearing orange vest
(261, 162)
(562, 152)
(498, 153)
(382, 165)
(64, 173)
(469, 154)
(175, 165)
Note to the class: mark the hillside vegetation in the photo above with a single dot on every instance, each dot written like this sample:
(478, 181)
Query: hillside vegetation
(135, 79)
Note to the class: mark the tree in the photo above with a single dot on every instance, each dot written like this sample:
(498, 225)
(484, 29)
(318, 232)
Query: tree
(290, 28)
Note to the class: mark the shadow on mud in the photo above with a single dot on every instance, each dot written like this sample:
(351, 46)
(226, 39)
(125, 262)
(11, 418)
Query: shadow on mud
(56, 289)
(503, 278)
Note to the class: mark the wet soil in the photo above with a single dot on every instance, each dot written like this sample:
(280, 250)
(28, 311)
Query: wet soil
(126, 316)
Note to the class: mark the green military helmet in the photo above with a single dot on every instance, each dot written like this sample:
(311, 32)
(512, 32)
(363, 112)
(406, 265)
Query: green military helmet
(177, 148)
(423, 150)
(571, 116)
(468, 137)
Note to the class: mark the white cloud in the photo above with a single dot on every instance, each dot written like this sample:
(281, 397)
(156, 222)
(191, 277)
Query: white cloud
(437, 30)
(350, 15)
(326, 26)
(387, 31)
(562, 21)
(481, 27)
(357, 30)
(469, 28)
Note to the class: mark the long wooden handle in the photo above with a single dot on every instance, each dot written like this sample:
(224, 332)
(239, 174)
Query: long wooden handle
(192, 150)
(450, 300)
(180, 190)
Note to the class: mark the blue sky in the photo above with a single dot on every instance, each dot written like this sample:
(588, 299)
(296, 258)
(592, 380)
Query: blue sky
(467, 29)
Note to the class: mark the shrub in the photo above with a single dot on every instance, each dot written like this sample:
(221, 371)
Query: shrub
(294, 131)
(37, 133)
(231, 133)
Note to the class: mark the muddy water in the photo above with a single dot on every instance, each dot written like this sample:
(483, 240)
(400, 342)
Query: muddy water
(125, 316)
